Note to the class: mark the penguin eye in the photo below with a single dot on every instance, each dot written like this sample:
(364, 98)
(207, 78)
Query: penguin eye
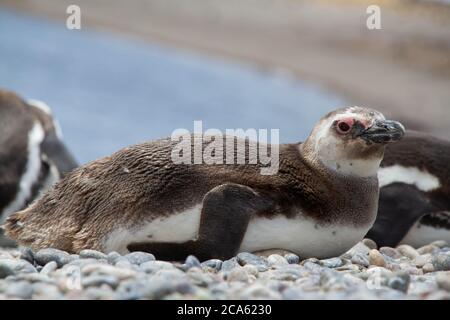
(343, 127)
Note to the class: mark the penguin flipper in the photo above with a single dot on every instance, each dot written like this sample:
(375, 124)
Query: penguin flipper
(400, 207)
(226, 212)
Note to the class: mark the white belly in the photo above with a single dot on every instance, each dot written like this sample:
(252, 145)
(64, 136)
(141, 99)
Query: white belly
(176, 228)
(298, 235)
(420, 235)
(301, 236)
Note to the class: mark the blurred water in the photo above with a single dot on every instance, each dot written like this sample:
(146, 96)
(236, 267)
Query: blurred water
(109, 92)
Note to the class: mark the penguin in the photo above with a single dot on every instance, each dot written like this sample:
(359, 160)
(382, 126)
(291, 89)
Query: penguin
(414, 205)
(32, 154)
(320, 202)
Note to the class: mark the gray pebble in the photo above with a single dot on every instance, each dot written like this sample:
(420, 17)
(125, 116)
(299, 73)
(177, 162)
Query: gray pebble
(45, 291)
(332, 262)
(361, 260)
(98, 280)
(113, 257)
(292, 258)
(10, 267)
(20, 289)
(441, 262)
(390, 252)
(260, 292)
(400, 281)
(27, 254)
(138, 258)
(360, 248)
(229, 265)
(93, 254)
(238, 274)
(49, 267)
(369, 243)
(155, 266)
(158, 289)
(215, 264)
(244, 258)
(44, 256)
(192, 262)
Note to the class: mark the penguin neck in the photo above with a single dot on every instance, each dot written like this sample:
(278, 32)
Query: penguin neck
(340, 164)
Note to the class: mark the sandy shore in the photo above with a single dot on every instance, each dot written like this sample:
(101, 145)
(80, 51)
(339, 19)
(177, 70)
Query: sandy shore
(403, 69)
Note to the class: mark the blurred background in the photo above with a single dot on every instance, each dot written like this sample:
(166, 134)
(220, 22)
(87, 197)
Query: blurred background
(139, 69)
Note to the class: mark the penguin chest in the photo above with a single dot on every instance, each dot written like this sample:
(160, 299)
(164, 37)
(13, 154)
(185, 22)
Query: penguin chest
(301, 236)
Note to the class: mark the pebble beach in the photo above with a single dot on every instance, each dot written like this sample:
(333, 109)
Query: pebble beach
(364, 272)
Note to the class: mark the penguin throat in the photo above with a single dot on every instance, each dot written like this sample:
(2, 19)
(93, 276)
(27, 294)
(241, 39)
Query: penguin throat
(341, 163)
(363, 168)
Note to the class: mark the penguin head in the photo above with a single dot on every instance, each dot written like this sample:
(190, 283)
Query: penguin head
(53, 149)
(352, 140)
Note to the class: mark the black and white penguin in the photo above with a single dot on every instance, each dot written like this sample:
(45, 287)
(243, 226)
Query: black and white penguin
(32, 155)
(322, 200)
(414, 204)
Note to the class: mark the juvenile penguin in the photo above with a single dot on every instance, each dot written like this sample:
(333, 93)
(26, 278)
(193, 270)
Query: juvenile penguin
(414, 203)
(322, 200)
(32, 155)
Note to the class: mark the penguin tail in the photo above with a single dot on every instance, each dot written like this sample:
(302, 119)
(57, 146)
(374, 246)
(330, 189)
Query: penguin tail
(15, 229)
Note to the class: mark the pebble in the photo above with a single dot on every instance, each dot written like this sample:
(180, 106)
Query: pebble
(192, 262)
(229, 265)
(238, 274)
(390, 252)
(108, 270)
(21, 290)
(49, 267)
(332, 263)
(139, 257)
(428, 267)
(421, 260)
(360, 259)
(376, 258)
(155, 266)
(260, 263)
(369, 243)
(27, 254)
(443, 280)
(427, 249)
(10, 267)
(93, 254)
(44, 256)
(441, 262)
(113, 257)
(275, 260)
(407, 251)
(440, 244)
(292, 258)
(400, 281)
(98, 280)
(215, 264)
(353, 275)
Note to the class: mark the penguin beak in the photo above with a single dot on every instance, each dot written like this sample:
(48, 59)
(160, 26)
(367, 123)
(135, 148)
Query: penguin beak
(383, 132)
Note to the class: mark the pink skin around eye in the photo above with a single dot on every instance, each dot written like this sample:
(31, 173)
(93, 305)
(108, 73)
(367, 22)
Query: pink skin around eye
(349, 121)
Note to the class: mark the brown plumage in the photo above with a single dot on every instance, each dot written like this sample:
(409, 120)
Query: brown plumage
(141, 183)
